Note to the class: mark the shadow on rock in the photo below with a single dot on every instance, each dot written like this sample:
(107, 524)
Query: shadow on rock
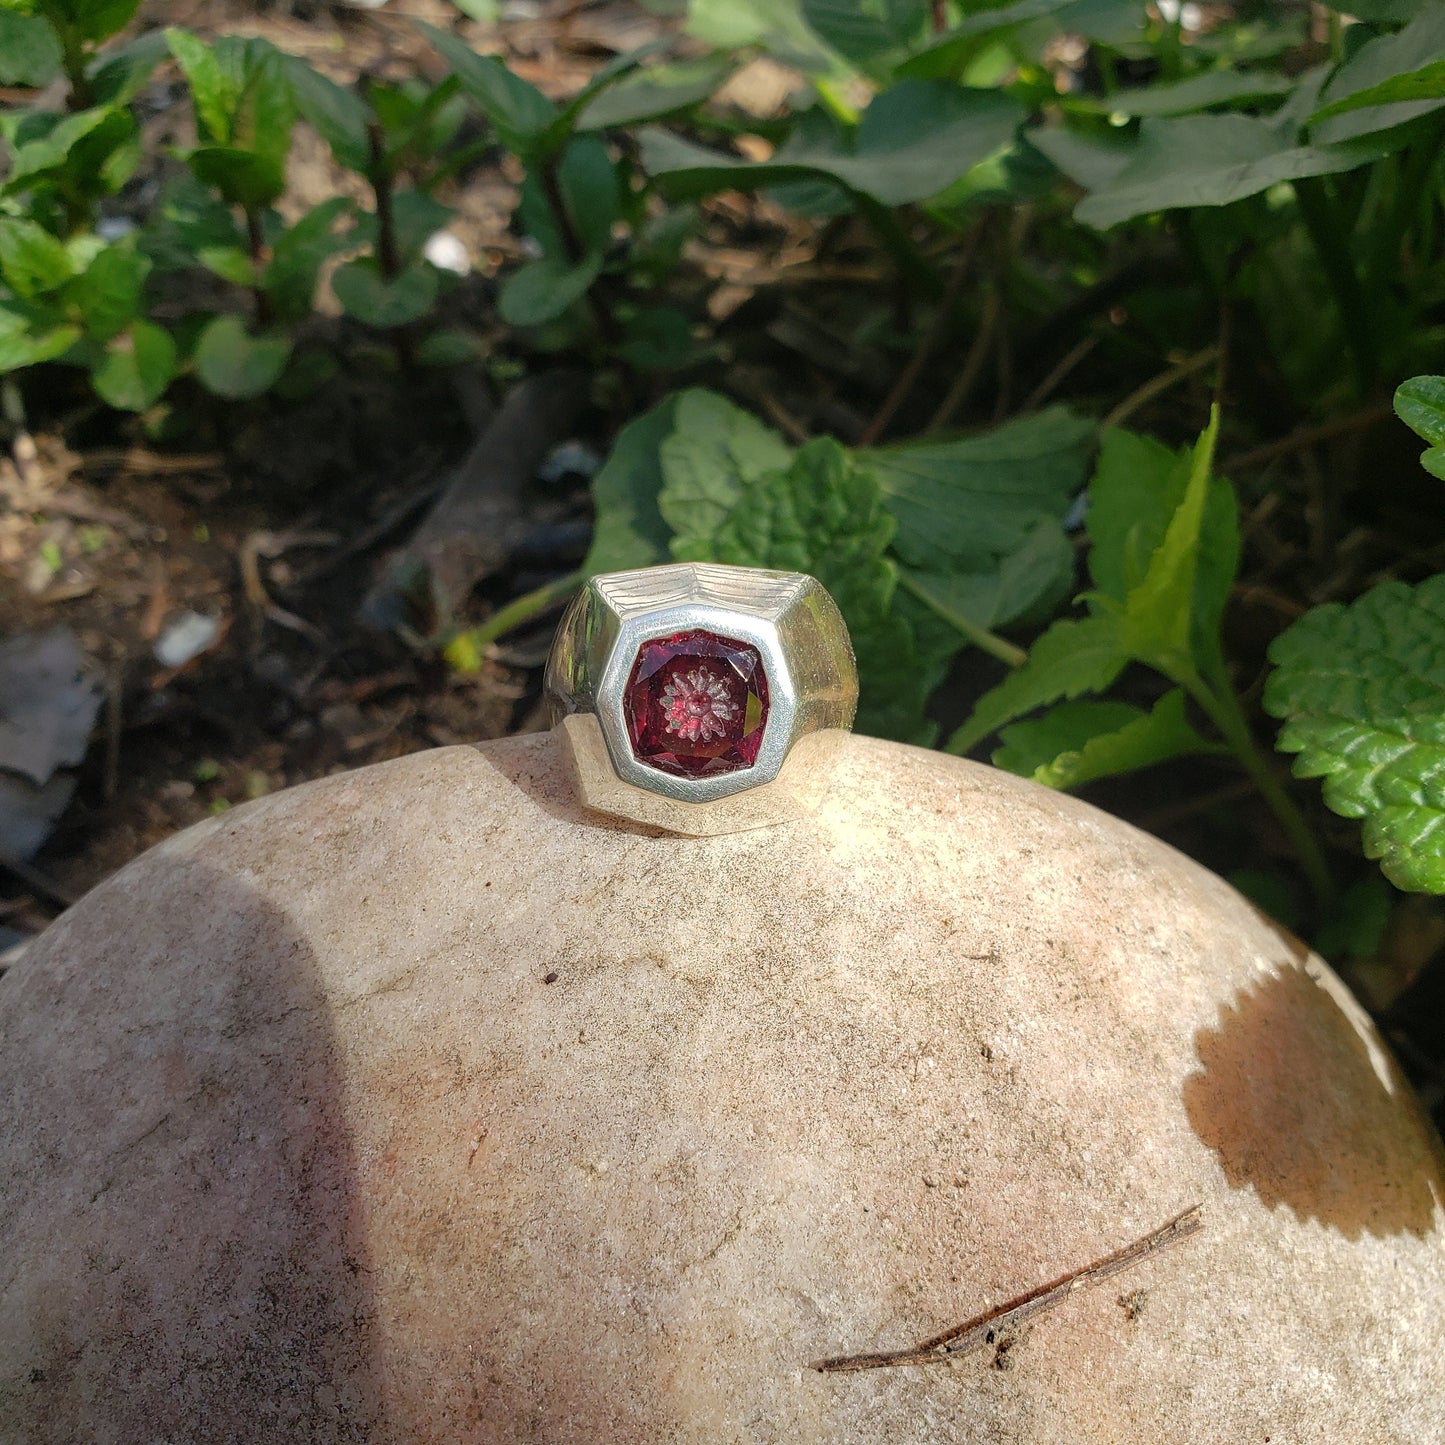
(1300, 1100)
(183, 1256)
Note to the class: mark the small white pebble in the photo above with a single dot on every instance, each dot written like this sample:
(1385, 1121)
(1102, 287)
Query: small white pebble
(447, 253)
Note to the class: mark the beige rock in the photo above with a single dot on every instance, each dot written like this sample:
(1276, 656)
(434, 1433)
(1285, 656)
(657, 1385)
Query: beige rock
(416, 1105)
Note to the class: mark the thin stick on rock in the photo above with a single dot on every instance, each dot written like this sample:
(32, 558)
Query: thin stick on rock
(974, 1334)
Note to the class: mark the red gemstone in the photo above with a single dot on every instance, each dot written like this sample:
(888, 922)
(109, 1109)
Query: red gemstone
(696, 704)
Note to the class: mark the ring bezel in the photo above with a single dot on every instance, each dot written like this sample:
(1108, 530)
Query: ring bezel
(763, 634)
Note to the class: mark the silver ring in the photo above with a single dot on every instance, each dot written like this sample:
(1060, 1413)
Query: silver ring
(700, 698)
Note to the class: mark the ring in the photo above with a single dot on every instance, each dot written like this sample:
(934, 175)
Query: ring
(700, 698)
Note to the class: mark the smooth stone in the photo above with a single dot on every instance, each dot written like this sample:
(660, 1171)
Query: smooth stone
(420, 1105)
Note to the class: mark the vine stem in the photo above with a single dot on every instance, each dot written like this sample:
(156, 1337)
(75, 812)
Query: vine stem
(1327, 232)
(981, 637)
(466, 645)
(1221, 705)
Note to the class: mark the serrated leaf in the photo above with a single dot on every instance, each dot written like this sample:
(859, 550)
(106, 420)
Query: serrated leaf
(1074, 656)
(1420, 404)
(542, 290)
(32, 261)
(1028, 747)
(1157, 622)
(138, 366)
(234, 364)
(914, 141)
(1211, 160)
(1096, 740)
(714, 451)
(630, 531)
(1362, 691)
(29, 50)
(519, 112)
(825, 516)
(378, 301)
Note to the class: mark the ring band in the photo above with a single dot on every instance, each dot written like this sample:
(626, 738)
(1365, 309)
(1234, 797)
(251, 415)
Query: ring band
(701, 698)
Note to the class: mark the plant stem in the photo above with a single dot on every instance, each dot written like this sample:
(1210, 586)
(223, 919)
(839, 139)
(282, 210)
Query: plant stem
(916, 269)
(522, 609)
(388, 255)
(256, 238)
(575, 247)
(981, 637)
(1221, 705)
(1328, 233)
(72, 61)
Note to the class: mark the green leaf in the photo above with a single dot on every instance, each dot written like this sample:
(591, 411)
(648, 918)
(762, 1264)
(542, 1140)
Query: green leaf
(298, 254)
(243, 177)
(30, 336)
(32, 261)
(776, 26)
(1027, 748)
(1420, 404)
(951, 52)
(915, 140)
(108, 292)
(449, 347)
(138, 365)
(416, 217)
(29, 50)
(1093, 740)
(519, 112)
(1210, 160)
(90, 135)
(715, 450)
(1362, 691)
(100, 19)
(1157, 624)
(824, 516)
(337, 114)
(1388, 81)
(1196, 93)
(961, 505)
(1137, 488)
(630, 531)
(230, 263)
(588, 182)
(215, 90)
(120, 73)
(655, 91)
(866, 30)
(376, 301)
(542, 290)
(232, 363)
(1074, 656)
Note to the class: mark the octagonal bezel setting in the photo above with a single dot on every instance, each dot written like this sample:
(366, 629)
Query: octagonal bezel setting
(758, 631)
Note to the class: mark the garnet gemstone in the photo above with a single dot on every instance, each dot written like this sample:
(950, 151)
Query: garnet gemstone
(696, 704)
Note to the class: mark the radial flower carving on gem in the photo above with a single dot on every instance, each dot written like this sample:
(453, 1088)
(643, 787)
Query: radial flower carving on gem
(696, 704)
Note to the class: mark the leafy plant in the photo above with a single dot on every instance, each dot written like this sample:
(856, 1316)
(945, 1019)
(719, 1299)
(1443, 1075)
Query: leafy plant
(926, 547)
(1164, 549)
(1361, 689)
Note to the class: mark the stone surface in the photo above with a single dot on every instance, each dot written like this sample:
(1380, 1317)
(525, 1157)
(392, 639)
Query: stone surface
(696, 704)
(409, 1106)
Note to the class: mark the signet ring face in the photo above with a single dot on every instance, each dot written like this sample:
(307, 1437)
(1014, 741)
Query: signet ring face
(702, 698)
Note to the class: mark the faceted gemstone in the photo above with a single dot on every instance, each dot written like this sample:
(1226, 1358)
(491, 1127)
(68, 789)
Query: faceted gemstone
(696, 704)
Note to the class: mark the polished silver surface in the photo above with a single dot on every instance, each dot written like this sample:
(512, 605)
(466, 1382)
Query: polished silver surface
(806, 655)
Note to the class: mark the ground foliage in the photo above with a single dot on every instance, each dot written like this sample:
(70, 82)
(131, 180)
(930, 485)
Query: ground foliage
(1057, 337)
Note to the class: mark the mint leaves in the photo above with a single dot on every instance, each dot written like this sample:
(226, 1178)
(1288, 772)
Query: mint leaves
(698, 478)
(1362, 692)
